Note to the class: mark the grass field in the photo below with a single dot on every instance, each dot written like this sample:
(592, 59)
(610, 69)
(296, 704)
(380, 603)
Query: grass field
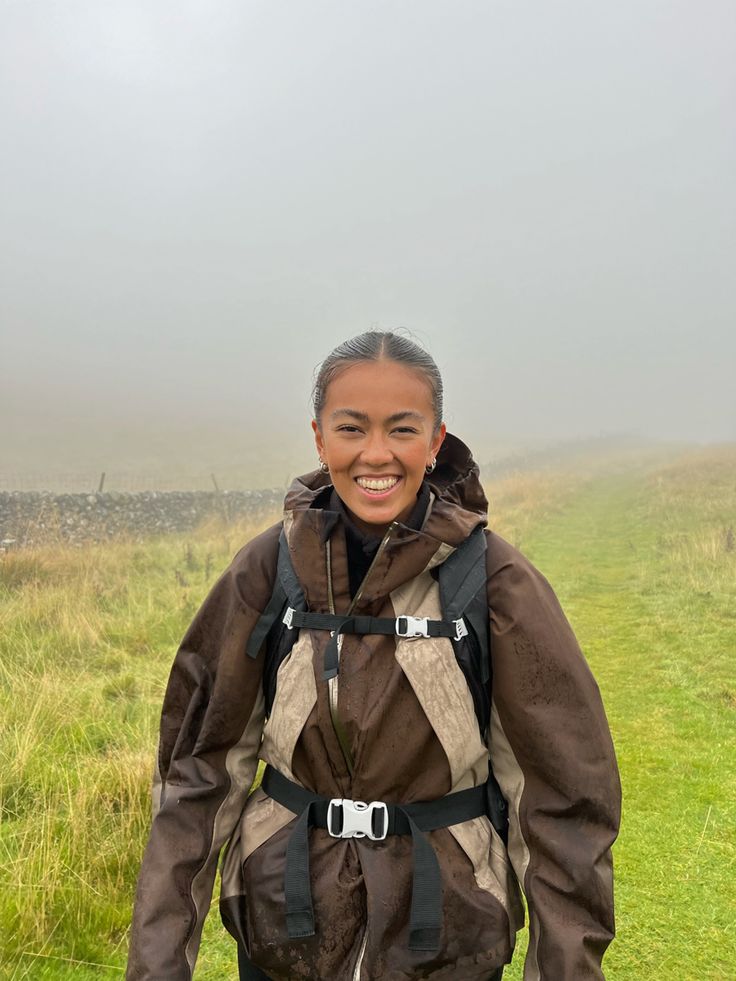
(644, 565)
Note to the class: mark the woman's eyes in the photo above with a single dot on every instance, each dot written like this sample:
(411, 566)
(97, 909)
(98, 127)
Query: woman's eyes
(398, 429)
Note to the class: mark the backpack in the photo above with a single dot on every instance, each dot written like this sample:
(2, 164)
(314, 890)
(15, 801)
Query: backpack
(462, 582)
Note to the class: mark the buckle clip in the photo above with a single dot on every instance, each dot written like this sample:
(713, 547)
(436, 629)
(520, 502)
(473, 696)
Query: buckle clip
(357, 818)
(415, 627)
(289, 616)
(461, 629)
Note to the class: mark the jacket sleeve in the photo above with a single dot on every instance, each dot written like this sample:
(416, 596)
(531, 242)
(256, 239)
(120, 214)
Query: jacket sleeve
(553, 756)
(210, 733)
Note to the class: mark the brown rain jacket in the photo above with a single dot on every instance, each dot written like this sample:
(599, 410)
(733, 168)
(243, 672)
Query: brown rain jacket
(397, 724)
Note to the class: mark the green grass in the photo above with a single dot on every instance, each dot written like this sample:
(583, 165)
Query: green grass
(641, 562)
(641, 567)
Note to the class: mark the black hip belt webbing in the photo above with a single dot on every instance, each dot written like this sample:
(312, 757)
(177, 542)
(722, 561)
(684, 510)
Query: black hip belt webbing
(375, 820)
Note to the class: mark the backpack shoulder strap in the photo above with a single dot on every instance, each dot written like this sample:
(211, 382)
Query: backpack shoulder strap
(286, 592)
(462, 579)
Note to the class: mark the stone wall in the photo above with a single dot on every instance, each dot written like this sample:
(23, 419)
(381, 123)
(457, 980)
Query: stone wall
(41, 517)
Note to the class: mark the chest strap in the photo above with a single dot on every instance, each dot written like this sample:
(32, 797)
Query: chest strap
(405, 626)
(375, 820)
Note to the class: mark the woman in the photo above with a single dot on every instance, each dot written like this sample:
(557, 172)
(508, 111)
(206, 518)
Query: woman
(368, 717)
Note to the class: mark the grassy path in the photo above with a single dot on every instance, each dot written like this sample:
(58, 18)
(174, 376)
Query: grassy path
(662, 650)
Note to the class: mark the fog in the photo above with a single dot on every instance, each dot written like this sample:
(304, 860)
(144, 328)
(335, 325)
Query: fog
(200, 200)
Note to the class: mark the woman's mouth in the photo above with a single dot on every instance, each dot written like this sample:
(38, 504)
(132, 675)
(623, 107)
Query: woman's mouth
(377, 486)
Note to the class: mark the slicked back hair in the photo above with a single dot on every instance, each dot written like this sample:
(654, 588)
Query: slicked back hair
(376, 345)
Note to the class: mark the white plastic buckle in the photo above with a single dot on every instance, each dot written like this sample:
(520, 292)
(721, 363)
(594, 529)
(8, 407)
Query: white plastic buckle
(415, 627)
(461, 629)
(357, 818)
(289, 616)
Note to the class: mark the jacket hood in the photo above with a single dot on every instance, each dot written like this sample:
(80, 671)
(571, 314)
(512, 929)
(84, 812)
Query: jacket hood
(457, 494)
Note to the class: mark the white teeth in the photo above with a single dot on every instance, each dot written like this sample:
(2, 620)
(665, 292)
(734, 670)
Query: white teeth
(377, 485)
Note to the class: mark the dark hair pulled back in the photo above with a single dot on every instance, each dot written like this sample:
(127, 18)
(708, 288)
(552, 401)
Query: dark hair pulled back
(375, 345)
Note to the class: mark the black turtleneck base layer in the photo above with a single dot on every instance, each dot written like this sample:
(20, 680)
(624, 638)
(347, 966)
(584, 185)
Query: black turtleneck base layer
(362, 547)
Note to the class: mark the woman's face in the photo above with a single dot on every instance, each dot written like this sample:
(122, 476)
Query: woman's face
(376, 438)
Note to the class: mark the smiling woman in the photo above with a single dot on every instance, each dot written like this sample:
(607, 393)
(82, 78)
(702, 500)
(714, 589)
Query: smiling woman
(377, 456)
(434, 739)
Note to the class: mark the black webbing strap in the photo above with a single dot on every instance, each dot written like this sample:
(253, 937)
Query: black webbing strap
(361, 625)
(299, 909)
(414, 819)
(368, 625)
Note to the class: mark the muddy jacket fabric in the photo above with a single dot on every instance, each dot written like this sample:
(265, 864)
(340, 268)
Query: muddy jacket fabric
(396, 724)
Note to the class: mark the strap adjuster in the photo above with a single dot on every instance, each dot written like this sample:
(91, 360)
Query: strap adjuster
(357, 818)
(289, 616)
(415, 627)
(461, 629)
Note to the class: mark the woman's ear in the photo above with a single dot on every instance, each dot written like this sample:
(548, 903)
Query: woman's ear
(319, 442)
(438, 440)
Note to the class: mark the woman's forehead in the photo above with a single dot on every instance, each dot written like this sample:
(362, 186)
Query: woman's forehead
(379, 382)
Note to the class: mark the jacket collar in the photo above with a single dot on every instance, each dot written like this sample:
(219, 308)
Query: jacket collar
(369, 542)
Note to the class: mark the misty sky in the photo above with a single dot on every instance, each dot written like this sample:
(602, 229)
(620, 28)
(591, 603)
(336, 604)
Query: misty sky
(199, 200)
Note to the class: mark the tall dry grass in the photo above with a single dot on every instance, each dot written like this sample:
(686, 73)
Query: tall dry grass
(87, 636)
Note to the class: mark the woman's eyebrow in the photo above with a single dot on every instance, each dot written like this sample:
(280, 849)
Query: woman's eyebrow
(362, 417)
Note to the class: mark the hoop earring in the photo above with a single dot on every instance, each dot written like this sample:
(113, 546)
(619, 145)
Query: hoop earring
(428, 469)
(323, 466)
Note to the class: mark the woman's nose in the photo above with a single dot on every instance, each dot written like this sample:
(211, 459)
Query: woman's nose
(376, 451)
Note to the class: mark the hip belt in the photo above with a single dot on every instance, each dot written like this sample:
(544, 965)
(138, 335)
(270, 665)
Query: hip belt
(344, 818)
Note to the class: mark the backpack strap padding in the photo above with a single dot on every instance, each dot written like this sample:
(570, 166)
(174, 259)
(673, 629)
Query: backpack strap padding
(286, 591)
(287, 576)
(462, 575)
(266, 620)
(476, 614)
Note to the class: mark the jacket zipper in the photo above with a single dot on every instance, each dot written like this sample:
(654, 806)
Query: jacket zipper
(361, 952)
(332, 684)
(332, 688)
(370, 567)
(333, 692)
